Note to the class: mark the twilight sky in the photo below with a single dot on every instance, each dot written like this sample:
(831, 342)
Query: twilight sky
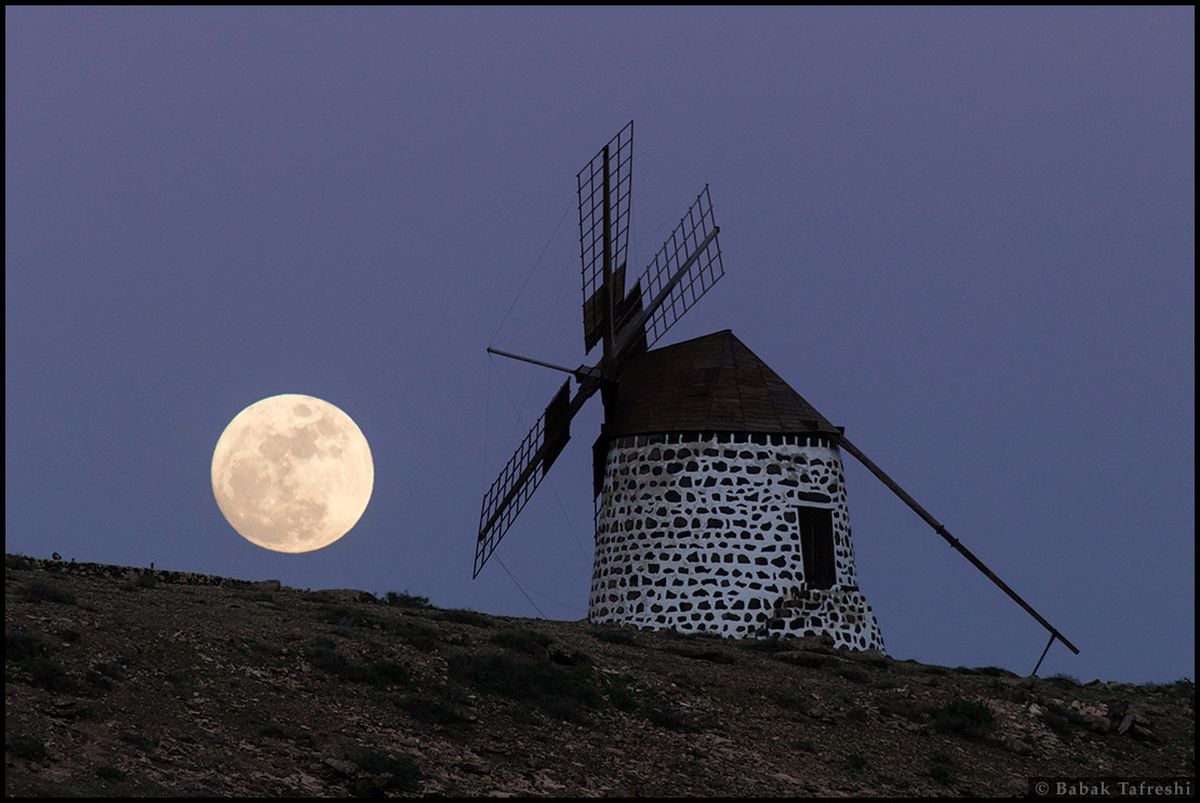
(966, 235)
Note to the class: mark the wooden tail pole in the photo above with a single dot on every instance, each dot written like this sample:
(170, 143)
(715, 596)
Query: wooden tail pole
(1038, 665)
(954, 542)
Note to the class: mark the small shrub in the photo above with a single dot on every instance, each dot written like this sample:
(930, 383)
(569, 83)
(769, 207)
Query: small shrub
(942, 768)
(110, 669)
(383, 772)
(19, 645)
(941, 757)
(141, 580)
(263, 648)
(48, 674)
(853, 674)
(386, 672)
(808, 660)
(98, 681)
(139, 740)
(615, 635)
(17, 562)
(526, 641)
(39, 591)
(323, 655)
(417, 635)
(666, 715)
(285, 733)
(93, 711)
(27, 747)
(855, 762)
(560, 691)
(71, 636)
(803, 746)
(712, 656)
(103, 675)
(619, 692)
(564, 708)
(785, 699)
(1062, 679)
(964, 718)
(304, 739)
(109, 773)
(1185, 685)
(175, 677)
(987, 671)
(347, 617)
(465, 617)
(405, 600)
(914, 712)
(565, 657)
(875, 660)
(1182, 686)
(857, 714)
(431, 711)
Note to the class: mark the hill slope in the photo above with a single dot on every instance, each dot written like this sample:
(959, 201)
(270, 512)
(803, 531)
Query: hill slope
(140, 683)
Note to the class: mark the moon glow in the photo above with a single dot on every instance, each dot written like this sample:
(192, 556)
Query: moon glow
(292, 473)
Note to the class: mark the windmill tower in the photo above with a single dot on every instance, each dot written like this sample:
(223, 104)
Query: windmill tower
(723, 504)
(720, 497)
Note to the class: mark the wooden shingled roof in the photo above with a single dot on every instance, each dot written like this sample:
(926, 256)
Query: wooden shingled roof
(711, 384)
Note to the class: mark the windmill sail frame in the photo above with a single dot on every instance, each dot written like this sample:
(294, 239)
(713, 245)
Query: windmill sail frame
(515, 485)
(683, 270)
(605, 187)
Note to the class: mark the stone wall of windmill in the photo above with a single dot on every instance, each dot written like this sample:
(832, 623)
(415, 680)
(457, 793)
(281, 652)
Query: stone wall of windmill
(701, 532)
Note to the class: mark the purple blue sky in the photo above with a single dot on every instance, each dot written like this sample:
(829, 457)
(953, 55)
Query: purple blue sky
(966, 235)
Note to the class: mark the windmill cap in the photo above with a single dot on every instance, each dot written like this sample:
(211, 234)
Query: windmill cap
(711, 383)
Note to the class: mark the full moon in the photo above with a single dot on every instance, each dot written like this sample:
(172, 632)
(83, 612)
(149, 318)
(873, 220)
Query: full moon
(292, 473)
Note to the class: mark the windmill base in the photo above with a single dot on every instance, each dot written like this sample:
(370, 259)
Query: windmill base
(840, 613)
(708, 533)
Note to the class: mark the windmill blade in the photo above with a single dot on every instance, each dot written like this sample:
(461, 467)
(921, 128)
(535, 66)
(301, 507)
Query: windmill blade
(605, 184)
(524, 472)
(683, 270)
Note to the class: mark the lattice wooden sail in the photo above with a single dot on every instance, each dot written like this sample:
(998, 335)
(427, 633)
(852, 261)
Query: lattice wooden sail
(684, 269)
(605, 186)
(522, 474)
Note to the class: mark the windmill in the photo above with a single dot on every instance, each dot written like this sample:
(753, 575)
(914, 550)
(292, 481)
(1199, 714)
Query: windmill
(720, 498)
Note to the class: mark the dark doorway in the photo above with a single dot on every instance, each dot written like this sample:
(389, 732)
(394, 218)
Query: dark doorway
(816, 546)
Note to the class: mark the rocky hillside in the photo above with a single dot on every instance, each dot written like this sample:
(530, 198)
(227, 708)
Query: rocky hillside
(127, 682)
